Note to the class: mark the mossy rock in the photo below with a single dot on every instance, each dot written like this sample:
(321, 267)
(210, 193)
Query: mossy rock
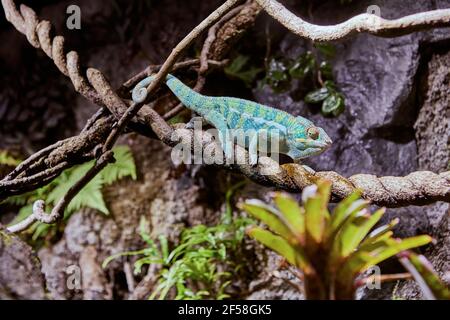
(20, 269)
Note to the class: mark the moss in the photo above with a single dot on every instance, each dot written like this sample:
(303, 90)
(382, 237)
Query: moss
(6, 237)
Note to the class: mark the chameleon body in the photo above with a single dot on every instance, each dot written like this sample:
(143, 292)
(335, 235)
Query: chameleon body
(298, 137)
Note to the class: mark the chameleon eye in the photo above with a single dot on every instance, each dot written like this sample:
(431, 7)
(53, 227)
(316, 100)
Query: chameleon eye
(313, 133)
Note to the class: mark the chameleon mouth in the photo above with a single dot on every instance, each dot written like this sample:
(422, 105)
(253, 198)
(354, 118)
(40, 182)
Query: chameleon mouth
(323, 144)
(311, 144)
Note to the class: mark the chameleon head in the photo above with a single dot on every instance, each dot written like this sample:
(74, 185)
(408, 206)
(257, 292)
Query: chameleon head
(308, 140)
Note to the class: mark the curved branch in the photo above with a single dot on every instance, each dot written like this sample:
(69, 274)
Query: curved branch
(369, 23)
(204, 64)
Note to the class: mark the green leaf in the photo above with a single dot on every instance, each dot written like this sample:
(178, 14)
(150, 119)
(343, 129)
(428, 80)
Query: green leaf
(345, 213)
(239, 68)
(326, 70)
(333, 105)
(327, 49)
(90, 196)
(277, 76)
(237, 64)
(380, 233)
(344, 209)
(39, 230)
(399, 246)
(330, 85)
(269, 216)
(24, 212)
(425, 276)
(354, 232)
(124, 166)
(303, 66)
(317, 96)
(281, 246)
(363, 259)
(292, 212)
(316, 212)
(6, 159)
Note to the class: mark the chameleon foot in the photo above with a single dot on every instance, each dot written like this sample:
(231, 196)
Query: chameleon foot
(193, 121)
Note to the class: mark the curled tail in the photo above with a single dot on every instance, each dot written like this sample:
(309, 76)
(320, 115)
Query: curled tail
(186, 95)
(139, 93)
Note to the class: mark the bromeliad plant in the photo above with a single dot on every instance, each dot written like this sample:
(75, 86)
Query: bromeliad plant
(331, 250)
(422, 271)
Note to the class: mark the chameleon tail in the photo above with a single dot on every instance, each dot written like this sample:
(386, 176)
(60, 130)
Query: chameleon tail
(186, 95)
(191, 99)
(139, 93)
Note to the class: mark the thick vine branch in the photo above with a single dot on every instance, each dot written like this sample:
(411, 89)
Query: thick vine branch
(417, 188)
(369, 23)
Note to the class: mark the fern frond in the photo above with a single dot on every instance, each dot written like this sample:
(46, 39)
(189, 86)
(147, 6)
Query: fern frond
(123, 167)
(90, 196)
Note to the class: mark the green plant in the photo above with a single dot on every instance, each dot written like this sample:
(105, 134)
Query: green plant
(310, 68)
(241, 68)
(201, 265)
(331, 250)
(7, 159)
(333, 102)
(90, 196)
(425, 276)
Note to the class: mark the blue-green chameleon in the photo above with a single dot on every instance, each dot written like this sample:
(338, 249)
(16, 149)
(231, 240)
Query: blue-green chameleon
(298, 137)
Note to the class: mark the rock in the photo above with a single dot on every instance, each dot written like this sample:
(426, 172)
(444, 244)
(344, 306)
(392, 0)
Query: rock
(432, 134)
(273, 282)
(20, 270)
(94, 282)
(433, 123)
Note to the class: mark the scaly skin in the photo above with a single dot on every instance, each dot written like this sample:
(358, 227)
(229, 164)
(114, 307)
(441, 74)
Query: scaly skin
(297, 136)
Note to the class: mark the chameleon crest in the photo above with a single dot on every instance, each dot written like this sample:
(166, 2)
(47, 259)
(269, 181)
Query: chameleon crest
(298, 137)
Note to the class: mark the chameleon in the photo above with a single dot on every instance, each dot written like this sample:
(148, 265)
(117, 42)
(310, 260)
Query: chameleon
(298, 137)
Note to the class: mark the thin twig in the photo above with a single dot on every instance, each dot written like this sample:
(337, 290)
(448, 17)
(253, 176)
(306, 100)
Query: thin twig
(383, 278)
(33, 158)
(37, 177)
(204, 62)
